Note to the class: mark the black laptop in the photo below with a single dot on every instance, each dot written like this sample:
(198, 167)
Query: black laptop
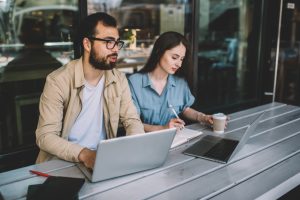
(220, 149)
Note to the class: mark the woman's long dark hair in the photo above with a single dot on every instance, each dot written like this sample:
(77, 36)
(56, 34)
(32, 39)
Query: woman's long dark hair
(167, 41)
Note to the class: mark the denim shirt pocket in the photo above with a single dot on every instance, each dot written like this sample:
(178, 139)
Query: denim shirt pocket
(177, 105)
(147, 113)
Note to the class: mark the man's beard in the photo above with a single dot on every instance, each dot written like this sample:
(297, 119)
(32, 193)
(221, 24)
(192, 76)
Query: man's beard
(102, 62)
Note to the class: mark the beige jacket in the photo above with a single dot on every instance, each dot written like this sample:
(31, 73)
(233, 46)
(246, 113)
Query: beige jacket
(60, 105)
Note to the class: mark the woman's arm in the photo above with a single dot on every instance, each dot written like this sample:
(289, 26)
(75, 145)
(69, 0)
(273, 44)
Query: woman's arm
(173, 123)
(194, 115)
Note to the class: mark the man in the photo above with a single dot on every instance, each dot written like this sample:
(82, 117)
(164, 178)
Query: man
(84, 100)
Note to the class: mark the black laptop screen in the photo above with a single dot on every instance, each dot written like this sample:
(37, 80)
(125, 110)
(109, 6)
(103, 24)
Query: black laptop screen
(213, 148)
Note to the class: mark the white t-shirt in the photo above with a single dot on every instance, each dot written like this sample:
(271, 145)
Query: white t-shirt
(88, 128)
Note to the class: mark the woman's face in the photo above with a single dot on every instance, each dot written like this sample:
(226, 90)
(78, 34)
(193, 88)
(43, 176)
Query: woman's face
(172, 59)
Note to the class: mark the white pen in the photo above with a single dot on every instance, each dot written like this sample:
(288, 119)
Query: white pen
(173, 110)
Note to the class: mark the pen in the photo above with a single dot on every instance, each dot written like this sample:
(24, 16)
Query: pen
(173, 110)
(39, 173)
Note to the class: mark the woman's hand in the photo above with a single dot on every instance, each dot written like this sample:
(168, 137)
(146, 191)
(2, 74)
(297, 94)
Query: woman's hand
(207, 119)
(226, 122)
(175, 123)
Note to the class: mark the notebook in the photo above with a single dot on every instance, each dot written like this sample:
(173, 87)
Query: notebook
(125, 155)
(56, 187)
(184, 135)
(220, 149)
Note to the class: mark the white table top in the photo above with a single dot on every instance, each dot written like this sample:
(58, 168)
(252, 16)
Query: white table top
(266, 167)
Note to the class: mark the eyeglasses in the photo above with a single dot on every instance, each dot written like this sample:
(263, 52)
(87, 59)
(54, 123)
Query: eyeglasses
(110, 44)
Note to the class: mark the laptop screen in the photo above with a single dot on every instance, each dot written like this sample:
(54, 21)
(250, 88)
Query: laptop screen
(125, 155)
(221, 149)
(213, 148)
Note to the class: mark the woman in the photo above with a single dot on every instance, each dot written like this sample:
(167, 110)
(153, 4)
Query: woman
(159, 90)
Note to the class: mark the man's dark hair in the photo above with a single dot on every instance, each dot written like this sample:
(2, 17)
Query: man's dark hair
(88, 24)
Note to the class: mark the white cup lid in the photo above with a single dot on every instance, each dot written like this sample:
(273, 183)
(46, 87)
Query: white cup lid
(219, 116)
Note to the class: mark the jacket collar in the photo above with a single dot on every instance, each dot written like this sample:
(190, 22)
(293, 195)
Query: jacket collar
(110, 77)
(79, 75)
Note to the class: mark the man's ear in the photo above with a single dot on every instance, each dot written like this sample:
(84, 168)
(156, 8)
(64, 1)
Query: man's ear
(86, 44)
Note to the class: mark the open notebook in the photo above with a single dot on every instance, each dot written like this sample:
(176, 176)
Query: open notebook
(183, 136)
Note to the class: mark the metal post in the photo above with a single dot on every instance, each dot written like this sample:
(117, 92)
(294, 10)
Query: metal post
(277, 50)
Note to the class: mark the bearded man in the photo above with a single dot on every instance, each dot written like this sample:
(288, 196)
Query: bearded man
(84, 100)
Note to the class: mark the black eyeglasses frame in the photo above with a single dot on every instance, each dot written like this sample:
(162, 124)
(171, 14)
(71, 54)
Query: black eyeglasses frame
(119, 43)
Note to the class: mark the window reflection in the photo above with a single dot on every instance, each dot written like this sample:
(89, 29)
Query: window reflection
(57, 19)
(288, 73)
(227, 53)
(140, 23)
(35, 39)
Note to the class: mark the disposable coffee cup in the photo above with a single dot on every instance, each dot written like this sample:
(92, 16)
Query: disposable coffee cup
(219, 122)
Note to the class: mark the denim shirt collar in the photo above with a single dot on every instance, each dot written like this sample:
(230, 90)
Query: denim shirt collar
(147, 82)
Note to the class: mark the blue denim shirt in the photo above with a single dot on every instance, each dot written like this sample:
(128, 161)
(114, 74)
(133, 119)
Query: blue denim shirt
(153, 108)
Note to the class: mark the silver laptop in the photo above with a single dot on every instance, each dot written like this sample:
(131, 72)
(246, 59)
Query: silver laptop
(130, 154)
(221, 149)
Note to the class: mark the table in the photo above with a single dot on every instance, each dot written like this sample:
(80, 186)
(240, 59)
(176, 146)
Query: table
(266, 167)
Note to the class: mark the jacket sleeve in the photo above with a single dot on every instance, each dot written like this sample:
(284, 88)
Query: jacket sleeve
(128, 113)
(49, 130)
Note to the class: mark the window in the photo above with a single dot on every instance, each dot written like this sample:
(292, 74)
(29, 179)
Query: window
(141, 22)
(227, 53)
(35, 39)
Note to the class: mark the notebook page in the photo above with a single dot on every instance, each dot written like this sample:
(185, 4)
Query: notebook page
(183, 136)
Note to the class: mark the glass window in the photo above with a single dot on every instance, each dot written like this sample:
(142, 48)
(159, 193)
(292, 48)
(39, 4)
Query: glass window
(227, 53)
(35, 39)
(288, 70)
(141, 22)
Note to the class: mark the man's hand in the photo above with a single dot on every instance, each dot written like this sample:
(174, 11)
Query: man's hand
(87, 157)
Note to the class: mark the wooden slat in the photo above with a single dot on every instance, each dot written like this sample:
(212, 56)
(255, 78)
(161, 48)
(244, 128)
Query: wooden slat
(271, 137)
(267, 180)
(23, 173)
(280, 111)
(276, 122)
(258, 109)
